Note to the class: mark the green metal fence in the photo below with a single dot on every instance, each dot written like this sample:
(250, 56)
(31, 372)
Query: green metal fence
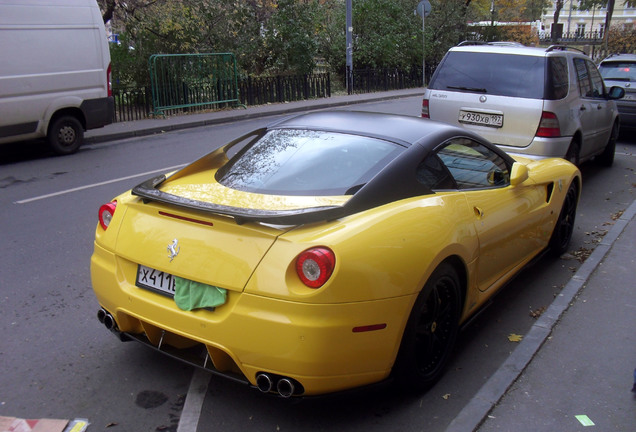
(181, 81)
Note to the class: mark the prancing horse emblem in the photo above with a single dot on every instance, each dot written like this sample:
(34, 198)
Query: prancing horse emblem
(173, 249)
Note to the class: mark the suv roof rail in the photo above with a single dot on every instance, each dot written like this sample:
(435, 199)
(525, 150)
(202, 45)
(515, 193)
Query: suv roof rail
(472, 42)
(496, 43)
(563, 48)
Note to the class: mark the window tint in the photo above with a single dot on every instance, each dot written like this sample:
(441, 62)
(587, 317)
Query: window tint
(496, 74)
(590, 81)
(557, 82)
(474, 166)
(433, 174)
(301, 162)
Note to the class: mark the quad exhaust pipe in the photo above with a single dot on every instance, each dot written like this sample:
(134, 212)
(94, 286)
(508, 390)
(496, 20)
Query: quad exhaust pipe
(285, 387)
(106, 318)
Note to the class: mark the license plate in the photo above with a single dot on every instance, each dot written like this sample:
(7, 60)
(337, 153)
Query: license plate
(155, 280)
(629, 97)
(471, 117)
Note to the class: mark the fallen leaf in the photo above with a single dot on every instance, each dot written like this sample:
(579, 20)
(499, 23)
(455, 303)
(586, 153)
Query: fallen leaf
(538, 312)
(515, 337)
(446, 396)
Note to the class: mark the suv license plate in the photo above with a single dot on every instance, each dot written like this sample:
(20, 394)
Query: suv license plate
(491, 120)
(155, 280)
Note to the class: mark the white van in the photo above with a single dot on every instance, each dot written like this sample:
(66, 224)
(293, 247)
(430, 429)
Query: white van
(54, 71)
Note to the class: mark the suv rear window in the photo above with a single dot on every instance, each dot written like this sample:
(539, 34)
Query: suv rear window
(509, 75)
(618, 71)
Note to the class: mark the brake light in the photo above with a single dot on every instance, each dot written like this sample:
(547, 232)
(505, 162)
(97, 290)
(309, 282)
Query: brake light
(106, 213)
(109, 80)
(315, 266)
(548, 126)
(425, 112)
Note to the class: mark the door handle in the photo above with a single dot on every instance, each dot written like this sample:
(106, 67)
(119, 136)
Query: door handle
(478, 212)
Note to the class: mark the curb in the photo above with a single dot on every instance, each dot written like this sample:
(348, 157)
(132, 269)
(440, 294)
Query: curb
(474, 413)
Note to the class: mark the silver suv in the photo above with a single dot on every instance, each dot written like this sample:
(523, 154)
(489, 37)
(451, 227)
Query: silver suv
(620, 70)
(533, 101)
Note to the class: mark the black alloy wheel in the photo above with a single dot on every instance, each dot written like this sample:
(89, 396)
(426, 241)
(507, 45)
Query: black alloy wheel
(562, 233)
(431, 331)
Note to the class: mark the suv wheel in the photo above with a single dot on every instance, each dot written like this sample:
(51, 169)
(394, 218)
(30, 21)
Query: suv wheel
(606, 158)
(574, 152)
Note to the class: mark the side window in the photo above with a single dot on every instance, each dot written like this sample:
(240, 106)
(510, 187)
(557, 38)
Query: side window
(590, 80)
(432, 173)
(472, 165)
(598, 88)
(558, 84)
(585, 86)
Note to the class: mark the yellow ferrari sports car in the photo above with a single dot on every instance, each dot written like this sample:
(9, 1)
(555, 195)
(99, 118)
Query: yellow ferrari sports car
(327, 251)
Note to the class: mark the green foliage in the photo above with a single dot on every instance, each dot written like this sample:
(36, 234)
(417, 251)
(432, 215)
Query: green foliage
(288, 36)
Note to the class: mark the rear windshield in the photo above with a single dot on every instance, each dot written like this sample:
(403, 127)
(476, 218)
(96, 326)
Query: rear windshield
(510, 75)
(616, 71)
(302, 162)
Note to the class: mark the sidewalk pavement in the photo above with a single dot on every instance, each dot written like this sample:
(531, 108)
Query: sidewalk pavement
(137, 128)
(574, 369)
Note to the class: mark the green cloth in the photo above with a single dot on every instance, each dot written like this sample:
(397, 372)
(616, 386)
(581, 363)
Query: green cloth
(191, 295)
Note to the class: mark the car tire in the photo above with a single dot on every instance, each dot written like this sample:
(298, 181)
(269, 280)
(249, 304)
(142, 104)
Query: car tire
(65, 135)
(574, 152)
(431, 331)
(606, 158)
(562, 234)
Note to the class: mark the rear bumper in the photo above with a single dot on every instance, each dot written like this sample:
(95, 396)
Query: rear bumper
(313, 344)
(98, 112)
(541, 148)
(627, 113)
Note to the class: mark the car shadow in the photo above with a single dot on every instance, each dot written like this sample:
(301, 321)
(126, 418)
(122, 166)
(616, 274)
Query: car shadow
(22, 151)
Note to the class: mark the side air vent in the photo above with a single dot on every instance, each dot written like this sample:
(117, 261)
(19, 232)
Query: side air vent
(549, 189)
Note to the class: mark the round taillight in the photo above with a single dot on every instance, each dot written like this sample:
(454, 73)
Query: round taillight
(106, 213)
(315, 266)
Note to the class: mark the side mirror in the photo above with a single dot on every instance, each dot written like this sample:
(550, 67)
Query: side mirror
(616, 92)
(518, 174)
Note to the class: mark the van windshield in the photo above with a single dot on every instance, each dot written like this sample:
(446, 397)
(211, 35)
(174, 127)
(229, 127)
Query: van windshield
(511, 75)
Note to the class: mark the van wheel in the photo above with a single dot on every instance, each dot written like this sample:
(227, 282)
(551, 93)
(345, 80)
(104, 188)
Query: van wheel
(65, 135)
(606, 158)
(574, 152)
(431, 331)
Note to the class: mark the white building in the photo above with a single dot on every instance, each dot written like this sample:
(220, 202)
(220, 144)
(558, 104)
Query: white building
(588, 24)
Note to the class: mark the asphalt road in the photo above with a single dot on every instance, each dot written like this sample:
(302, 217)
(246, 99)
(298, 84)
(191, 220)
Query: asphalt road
(57, 361)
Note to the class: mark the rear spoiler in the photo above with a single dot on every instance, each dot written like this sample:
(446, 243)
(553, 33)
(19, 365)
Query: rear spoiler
(148, 192)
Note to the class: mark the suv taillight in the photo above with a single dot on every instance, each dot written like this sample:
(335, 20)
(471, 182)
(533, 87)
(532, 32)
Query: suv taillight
(425, 113)
(548, 126)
